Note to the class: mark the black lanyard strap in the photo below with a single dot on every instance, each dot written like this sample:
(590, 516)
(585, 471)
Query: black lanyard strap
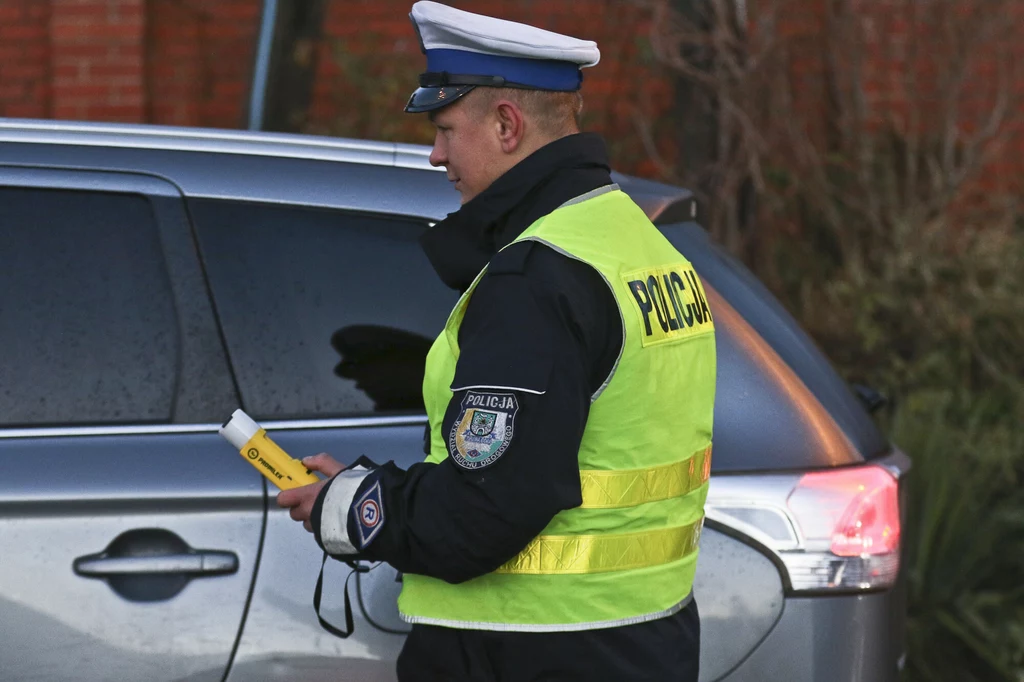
(318, 593)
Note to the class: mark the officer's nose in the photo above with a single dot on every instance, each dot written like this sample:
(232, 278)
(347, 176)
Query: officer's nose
(438, 155)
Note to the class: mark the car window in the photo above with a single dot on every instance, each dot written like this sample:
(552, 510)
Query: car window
(325, 313)
(87, 318)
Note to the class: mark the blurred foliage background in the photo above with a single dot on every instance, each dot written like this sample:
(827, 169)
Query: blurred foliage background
(890, 234)
(887, 231)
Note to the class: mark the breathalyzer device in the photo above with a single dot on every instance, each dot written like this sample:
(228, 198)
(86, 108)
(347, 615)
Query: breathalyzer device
(252, 442)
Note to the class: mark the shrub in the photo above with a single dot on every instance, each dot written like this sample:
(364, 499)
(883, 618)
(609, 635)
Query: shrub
(964, 545)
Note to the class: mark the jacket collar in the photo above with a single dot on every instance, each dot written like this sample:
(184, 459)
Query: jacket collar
(463, 243)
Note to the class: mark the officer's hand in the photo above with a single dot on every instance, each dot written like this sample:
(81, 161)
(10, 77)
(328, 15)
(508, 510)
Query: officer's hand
(301, 500)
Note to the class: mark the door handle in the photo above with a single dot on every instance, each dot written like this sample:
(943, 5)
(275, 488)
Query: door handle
(152, 564)
(196, 564)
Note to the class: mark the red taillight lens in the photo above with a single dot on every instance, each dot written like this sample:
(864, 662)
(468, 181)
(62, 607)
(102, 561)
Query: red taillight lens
(835, 531)
(871, 524)
(852, 512)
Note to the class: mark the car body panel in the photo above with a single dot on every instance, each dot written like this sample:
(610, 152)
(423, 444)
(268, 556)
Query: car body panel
(756, 393)
(66, 497)
(828, 638)
(282, 638)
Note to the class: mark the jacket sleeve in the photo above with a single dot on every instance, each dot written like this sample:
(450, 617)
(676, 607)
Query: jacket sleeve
(534, 340)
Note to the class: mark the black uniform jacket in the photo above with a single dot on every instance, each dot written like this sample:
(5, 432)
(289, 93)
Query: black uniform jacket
(540, 326)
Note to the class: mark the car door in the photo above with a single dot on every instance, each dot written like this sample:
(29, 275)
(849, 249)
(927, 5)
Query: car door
(328, 316)
(129, 532)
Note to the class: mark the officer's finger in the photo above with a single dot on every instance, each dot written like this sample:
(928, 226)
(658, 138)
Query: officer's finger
(288, 498)
(298, 514)
(323, 463)
(307, 525)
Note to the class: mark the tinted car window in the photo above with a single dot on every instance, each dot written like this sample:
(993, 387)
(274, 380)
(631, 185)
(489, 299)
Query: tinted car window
(87, 319)
(345, 307)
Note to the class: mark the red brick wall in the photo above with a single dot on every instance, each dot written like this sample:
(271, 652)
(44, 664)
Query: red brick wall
(183, 62)
(190, 62)
(199, 61)
(25, 84)
(96, 58)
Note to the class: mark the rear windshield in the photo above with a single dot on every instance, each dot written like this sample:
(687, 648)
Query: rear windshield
(781, 404)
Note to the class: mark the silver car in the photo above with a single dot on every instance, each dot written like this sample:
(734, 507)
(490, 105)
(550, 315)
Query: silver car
(153, 280)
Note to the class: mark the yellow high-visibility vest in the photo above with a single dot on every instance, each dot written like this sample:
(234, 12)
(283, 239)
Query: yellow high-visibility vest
(628, 553)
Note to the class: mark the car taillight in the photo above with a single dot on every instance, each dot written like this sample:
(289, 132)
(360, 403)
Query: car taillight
(849, 520)
(857, 510)
(838, 530)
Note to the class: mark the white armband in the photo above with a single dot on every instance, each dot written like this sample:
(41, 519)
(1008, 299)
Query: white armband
(334, 515)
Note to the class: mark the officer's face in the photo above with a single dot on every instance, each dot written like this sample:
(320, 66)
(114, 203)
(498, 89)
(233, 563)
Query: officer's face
(466, 143)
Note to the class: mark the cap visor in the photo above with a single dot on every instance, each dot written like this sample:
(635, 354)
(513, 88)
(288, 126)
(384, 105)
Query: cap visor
(428, 99)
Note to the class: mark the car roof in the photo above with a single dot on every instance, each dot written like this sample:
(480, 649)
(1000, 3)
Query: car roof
(215, 140)
(293, 170)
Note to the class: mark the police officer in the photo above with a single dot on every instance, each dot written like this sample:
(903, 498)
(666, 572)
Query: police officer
(552, 532)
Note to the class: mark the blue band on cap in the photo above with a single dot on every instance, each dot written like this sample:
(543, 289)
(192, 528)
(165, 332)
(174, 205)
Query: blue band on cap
(543, 74)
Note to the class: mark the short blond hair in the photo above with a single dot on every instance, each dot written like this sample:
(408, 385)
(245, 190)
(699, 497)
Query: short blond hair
(557, 113)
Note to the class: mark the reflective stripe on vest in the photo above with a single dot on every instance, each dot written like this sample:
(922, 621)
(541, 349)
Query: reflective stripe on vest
(551, 554)
(611, 489)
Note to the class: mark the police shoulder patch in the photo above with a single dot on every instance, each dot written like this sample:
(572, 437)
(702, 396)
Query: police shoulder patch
(369, 512)
(483, 430)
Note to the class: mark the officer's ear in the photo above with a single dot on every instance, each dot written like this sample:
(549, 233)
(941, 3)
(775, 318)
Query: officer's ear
(509, 125)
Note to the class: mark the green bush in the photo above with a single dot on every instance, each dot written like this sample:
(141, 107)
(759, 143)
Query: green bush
(964, 542)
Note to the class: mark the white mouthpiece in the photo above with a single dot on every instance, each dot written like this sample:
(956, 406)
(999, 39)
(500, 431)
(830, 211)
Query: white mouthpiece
(239, 429)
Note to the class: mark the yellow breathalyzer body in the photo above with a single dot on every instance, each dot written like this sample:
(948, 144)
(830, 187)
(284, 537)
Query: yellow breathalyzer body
(252, 442)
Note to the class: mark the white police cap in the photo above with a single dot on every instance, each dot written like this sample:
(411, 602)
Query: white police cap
(465, 50)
